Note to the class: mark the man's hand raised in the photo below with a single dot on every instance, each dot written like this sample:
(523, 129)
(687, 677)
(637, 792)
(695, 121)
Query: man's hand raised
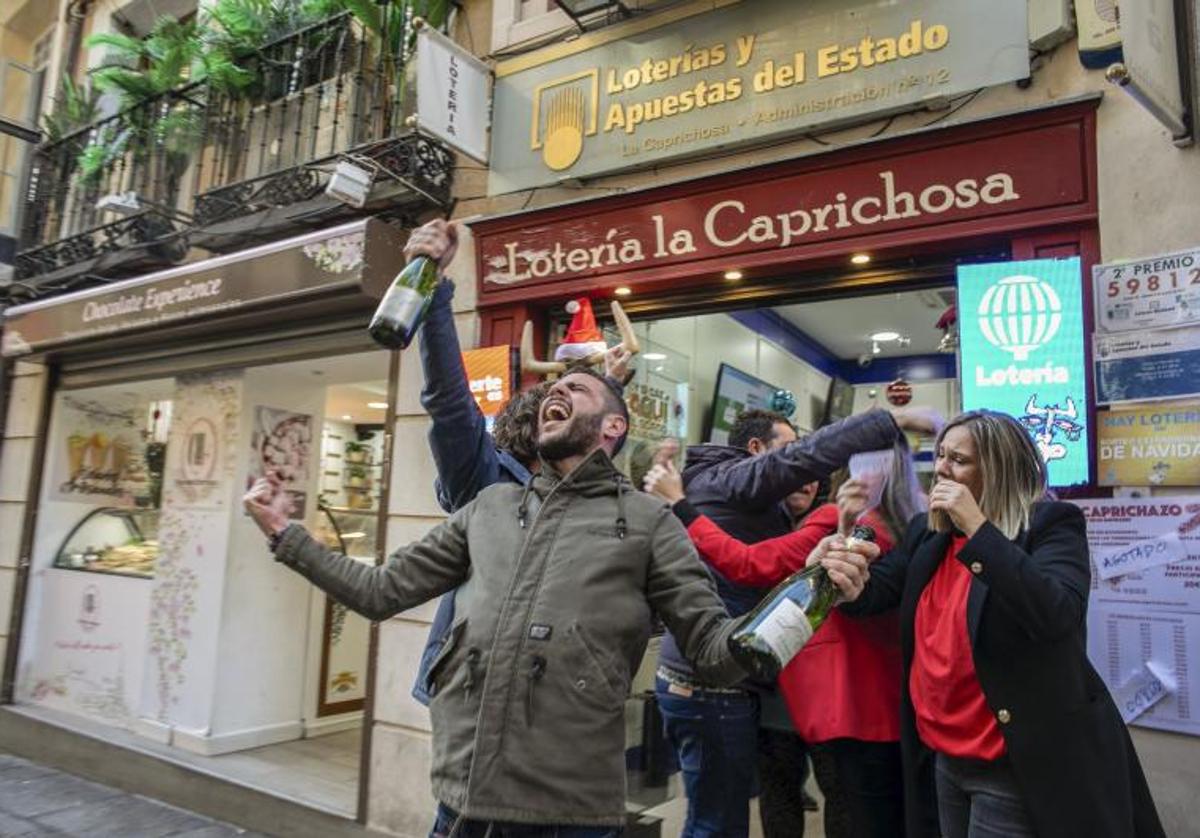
(268, 505)
(664, 481)
(437, 239)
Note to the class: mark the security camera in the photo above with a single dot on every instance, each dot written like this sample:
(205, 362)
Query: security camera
(865, 359)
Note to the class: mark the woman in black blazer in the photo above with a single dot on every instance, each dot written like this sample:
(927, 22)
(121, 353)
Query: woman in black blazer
(1006, 728)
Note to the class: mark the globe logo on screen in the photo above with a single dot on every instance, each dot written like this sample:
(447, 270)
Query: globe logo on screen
(1019, 314)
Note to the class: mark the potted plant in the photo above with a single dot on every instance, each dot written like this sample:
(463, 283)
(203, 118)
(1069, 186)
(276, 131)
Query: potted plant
(356, 452)
(356, 478)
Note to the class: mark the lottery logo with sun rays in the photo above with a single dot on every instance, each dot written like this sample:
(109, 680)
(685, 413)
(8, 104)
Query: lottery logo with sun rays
(564, 112)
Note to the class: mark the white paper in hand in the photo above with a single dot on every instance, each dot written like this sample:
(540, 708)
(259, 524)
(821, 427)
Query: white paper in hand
(872, 468)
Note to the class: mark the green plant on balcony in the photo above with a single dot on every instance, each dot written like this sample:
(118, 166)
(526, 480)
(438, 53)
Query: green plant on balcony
(217, 50)
(143, 71)
(239, 29)
(390, 26)
(75, 107)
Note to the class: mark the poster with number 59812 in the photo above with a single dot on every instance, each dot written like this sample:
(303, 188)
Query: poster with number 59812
(1161, 292)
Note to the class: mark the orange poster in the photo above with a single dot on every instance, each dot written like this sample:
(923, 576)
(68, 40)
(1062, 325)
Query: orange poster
(489, 374)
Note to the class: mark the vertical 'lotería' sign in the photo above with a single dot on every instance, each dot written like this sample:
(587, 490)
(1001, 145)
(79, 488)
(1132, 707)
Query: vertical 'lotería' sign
(453, 94)
(1022, 352)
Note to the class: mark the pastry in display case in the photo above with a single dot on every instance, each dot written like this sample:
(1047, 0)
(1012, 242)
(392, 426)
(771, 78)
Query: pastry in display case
(113, 540)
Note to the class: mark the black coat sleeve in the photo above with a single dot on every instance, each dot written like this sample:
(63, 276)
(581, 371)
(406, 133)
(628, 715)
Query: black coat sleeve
(757, 482)
(463, 450)
(1044, 588)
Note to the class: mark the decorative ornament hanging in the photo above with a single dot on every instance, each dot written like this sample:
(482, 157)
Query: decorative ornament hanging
(783, 402)
(948, 323)
(899, 392)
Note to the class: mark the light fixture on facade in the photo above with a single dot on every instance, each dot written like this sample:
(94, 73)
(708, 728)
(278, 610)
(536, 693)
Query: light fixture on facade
(377, 405)
(885, 336)
(622, 291)
(346, 417)
(734, 275)
(579, 9)
(860, 259)
(654, 356)
(350, 183)
(131, 203)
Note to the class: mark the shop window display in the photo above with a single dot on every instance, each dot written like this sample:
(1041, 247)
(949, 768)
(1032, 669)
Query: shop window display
(113, 540)
(105, 462)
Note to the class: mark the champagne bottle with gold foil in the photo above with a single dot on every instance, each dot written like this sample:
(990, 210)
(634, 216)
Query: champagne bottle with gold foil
(779, 626)
(403, 307)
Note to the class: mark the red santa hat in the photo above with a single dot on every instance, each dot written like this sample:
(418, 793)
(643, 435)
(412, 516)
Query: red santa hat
(583, 337)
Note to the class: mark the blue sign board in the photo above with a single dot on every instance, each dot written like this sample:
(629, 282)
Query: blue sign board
(1021, 341)
(1148, 365)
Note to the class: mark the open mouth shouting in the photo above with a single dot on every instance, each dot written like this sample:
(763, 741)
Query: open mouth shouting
(555, 409)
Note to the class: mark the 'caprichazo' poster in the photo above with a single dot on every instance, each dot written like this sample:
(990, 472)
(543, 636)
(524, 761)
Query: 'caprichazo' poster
(1144, 609)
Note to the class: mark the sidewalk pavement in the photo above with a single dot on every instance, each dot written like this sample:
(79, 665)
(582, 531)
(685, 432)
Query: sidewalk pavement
(39, 801)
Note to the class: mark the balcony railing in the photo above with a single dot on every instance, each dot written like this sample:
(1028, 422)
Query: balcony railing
(201, 160)
(141, 149)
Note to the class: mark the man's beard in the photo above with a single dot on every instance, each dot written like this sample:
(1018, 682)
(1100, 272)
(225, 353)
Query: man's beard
(581, 435)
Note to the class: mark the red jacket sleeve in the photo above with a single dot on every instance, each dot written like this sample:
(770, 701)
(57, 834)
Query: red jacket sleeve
(767, 562)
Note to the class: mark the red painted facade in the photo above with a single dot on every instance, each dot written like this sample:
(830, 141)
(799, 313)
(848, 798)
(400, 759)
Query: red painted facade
(997, 176)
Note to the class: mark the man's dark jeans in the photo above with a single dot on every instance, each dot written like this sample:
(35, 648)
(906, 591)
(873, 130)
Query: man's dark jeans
(716, 732)
(444, 826)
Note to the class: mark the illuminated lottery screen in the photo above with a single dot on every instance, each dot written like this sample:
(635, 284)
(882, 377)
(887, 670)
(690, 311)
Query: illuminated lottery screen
(1021, 351)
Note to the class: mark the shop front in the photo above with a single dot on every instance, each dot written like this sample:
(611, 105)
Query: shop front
(873, 205)
(152, 614)
(834, 278)
(813, 256)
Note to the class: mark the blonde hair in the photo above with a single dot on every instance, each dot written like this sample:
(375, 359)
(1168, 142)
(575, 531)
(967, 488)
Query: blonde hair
(902, 497)
(1012, 470)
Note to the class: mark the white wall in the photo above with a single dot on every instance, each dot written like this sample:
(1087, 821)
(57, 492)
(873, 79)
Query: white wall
(262, 675)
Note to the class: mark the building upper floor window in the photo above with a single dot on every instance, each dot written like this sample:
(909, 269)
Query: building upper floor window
(520, 22)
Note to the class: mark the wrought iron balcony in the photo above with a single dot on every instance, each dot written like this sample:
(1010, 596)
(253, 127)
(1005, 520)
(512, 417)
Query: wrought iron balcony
(220, 171)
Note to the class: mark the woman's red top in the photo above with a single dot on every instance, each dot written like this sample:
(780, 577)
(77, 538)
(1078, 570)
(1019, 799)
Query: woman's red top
(952, 715)
(845, 684)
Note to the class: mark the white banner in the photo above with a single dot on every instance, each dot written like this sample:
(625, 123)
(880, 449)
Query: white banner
(1144, 555)
(1149, 613)
(453, 94)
